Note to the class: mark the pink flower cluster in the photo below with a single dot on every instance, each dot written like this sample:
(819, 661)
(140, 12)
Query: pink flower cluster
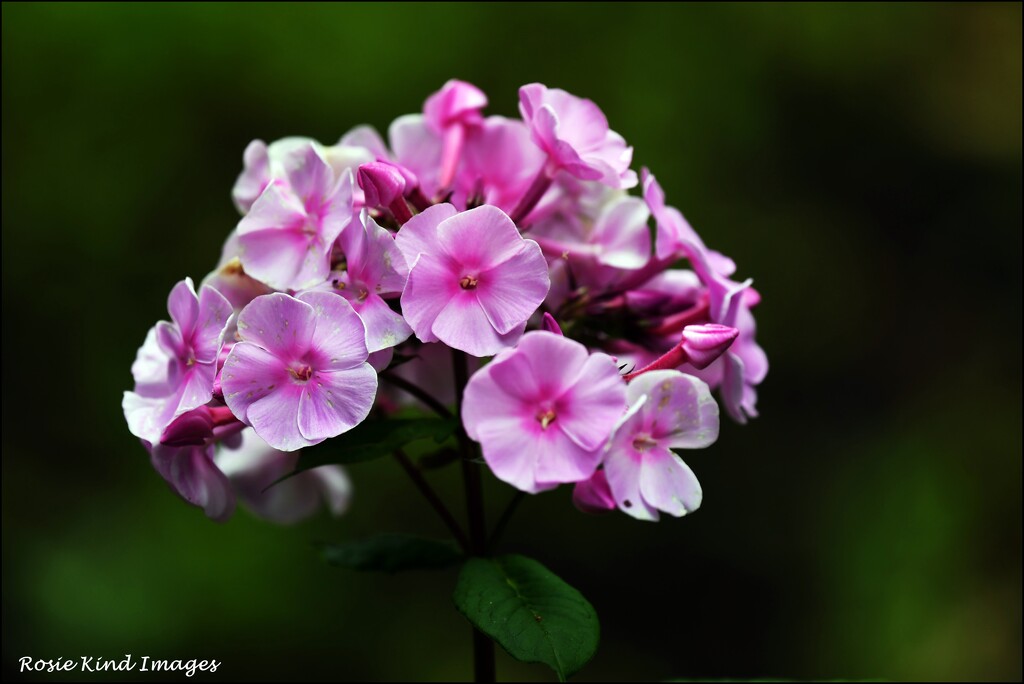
(609, 320)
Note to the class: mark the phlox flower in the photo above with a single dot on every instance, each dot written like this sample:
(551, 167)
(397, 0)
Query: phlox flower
(265, 164)
(574, 134)
(667, 410)
(176, 366)
(298, 374)
(473, 280)
(543, 411)
(287, 237)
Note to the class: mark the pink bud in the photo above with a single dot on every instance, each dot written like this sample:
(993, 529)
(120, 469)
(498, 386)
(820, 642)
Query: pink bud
(550, 324)
(705, 343)
(457, 102)
(382, 183)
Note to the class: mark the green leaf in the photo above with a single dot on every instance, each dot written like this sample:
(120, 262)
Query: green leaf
(371, 439)
(530, 611)
(392, 553)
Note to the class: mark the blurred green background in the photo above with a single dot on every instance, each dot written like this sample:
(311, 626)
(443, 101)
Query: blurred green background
(861, 163)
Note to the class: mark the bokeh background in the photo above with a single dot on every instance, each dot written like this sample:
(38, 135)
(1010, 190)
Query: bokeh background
(861, 163)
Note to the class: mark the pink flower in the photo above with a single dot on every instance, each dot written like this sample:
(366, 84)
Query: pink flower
(543, 411)
(618, 238)
(668, 410)
(473, 280)
(213, 477)
(265, 164)
(253, 465)
(299, 374)
(287, 236)
(176, 366)
(574, 133)
(374, 267)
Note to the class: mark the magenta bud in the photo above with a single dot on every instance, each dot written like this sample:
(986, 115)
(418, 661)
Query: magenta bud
(456, 102)
(382, 183)
(594, 495)
(705, 343)
(550, 324)
(191, 428)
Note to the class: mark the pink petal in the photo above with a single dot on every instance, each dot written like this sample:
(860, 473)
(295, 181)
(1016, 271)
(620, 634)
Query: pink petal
(623, 468)
(480, 239)
(254, 177)
(214, 312)
(419, 234)
(561, 459)
(384, 328)
(462, 324)
(417, 148)
(680, 412)
(250, 374)
(545, 367)
(622, 232)
(338, 340)
(368, 138)
(668, 484)
(510, 292)
(432, 284)
(274, 416)
(335, 402)
(589, 409)
(183, 305)
(310, 177)
(281, 324)
(488, 398)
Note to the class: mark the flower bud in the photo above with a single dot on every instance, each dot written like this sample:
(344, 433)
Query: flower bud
(382, 183)
(705, 343)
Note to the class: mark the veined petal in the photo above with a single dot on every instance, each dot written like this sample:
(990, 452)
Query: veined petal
(622, 468)
(419, 234)
(480, 239)
(462, 324)
(183, 305)
(338, 339)
(668, 484)
(274, 416)
(281, 324)
(589, 409)
(214, 313)
(335, 402)
(250, 374)
(431, 285)
(510, 292)
(384, 328)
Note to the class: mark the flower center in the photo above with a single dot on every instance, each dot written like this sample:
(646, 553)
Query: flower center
(301, 373)
(643, 442)
(468, 282)
(546, 417)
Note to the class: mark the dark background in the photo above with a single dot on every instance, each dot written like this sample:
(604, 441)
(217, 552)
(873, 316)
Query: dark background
(861, 163)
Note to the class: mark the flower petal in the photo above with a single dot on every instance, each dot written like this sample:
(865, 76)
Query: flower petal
(335, 402)
(462, 324)
(432, 284)
(668, 484)
(338, 339)
(589, 409)
(479, 239)
(510, 292)
(250, 374)
(281, 324)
